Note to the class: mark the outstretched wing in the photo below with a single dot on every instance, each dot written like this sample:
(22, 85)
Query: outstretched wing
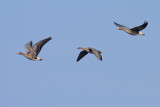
(81, 55)
(141, 27)
(121, 26)
(97, 53)
(28, 46)
(38, 46)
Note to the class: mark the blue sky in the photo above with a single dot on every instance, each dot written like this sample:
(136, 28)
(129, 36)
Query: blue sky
(128, 76)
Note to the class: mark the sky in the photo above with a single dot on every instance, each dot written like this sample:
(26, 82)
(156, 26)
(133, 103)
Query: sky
(128, 76)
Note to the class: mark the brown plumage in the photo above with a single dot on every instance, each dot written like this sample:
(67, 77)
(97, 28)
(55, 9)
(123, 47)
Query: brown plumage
(90, 50)
(32, 52)
(132, 31)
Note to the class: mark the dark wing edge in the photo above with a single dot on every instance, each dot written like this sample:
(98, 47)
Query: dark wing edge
(141, 27)
(81, 55)
(28, 46)
(38, 46)
(121, 26)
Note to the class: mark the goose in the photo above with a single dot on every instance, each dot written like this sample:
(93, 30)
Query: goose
(132, 31)
(90, 50)
(33, 51)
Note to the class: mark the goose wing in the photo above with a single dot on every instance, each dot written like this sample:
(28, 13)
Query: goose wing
(141, 27)
(38, 46)
(81, 55)
(121, 26)
(28, 47)
(97, 54)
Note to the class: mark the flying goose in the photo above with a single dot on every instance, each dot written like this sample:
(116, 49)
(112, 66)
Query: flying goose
(90, 50)
(132, 31)
(33, 51)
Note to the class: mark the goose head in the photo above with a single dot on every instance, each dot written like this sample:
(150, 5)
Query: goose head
(20, 53)
(80, 48)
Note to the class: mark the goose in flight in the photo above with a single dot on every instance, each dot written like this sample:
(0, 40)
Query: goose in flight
(90, 50)
(33, 51)
(132, 31)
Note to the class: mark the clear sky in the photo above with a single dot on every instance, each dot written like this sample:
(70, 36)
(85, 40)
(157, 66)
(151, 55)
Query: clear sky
(128, 76)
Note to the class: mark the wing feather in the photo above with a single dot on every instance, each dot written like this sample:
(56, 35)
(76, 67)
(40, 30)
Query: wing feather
(28, 47)
(141, 27)
(38, 46)
(81, 55)
(97, 54)
(121, 26)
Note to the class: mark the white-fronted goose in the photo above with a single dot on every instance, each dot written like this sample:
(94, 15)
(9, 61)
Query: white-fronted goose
(32, 52)
(133, 31)
(85, 51)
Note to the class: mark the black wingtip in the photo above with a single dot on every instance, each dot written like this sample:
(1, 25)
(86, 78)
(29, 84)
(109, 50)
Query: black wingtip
(50, 37)
(116, 23)
(145, 22)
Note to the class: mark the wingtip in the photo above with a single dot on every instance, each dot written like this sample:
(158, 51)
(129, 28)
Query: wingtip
(50, 37)
(115, 23)
(145, 22)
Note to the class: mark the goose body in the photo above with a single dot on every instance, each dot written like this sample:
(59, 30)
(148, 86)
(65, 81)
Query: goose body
(90, 50)
(132, 31)
(32, 52)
